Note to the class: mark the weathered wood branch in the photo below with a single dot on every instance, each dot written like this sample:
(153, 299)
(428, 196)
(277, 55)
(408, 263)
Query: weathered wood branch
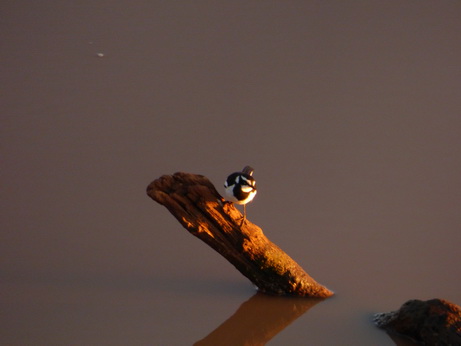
(197, 205)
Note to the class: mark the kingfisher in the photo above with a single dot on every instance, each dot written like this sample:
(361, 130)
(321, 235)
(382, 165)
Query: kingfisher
(241, 187)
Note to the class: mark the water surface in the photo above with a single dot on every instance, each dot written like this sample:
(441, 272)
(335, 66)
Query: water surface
(349, 113)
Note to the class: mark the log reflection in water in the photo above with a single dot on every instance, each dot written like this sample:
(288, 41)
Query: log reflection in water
(258, 320)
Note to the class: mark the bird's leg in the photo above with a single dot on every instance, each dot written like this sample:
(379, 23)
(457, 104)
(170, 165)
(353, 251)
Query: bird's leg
(244, 215)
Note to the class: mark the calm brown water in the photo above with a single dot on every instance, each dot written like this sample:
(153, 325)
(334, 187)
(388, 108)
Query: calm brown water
(349, 113)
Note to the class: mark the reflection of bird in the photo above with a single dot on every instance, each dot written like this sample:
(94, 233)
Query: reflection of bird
(241, 187)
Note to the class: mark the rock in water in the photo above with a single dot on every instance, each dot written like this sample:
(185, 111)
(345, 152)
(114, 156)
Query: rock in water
(431, 322)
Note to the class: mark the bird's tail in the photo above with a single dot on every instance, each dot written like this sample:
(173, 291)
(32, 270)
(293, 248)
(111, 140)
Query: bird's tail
(248, 170)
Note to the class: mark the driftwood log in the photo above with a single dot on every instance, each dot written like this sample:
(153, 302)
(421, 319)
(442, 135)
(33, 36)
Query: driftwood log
(431, 322)
(197, 205)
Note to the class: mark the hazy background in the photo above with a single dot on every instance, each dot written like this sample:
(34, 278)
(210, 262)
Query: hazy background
(349, 111)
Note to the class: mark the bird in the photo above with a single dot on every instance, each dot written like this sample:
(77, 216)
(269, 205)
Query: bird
(241, 187)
